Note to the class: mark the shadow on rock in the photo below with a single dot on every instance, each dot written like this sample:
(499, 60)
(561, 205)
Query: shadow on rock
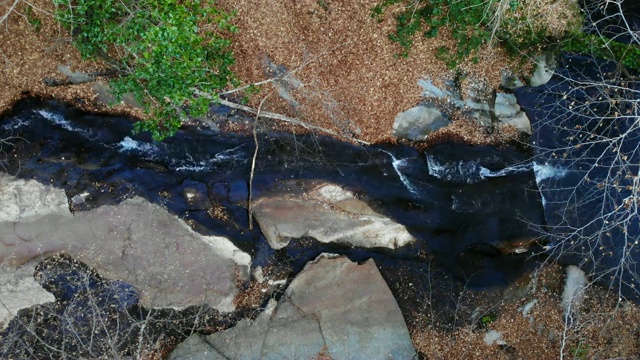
(93, 317)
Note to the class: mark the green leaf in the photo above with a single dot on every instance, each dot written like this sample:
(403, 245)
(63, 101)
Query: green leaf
(160, 40)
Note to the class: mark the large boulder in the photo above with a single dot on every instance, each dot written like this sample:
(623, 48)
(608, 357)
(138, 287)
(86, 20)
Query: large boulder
(24, 199)
(326, 212)
(545, 68)
(134, 241)
(333, 306)
(418, 122)
(195, 348)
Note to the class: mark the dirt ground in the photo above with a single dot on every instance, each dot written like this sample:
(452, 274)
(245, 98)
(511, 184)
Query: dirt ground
(602, 327)
(348, 77)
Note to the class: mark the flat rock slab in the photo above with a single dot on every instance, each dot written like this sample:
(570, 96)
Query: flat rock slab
(19, 290)
(22, 199)
(195, 348)
(327, 213)
(135, 241)
(333, 306)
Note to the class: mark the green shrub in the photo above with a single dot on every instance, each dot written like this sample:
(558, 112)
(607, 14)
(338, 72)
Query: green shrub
(164, 50)
(598, 46)
(32, 18)
(520, 26)
(428, 17)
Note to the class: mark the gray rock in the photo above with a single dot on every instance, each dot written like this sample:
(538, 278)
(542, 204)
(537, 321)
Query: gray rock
(19, 290)
(246, 339)
(493, 337)
(75, 77)
(194, 348)
(23, 199)
(418, 122)
(477, 104)
(573, 292)
(506, 105)
(509, 80)
(327, 213)
(332, 303)
(520, 121)
(105, 95)
(545, 68)
(478, 96)
(135, 241)
(430, 90)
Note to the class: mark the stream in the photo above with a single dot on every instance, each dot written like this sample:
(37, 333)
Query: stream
(460, 202)
(464, 205)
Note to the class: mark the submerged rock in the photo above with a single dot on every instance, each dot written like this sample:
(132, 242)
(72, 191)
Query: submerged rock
(333, 306)
(328, 213)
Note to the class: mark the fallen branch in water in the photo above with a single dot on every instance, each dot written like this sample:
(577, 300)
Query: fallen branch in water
(253, 162)
(275, 116)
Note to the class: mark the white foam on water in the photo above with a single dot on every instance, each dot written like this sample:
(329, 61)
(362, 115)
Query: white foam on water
(205, 165)
(397, 165)
(469, 171)
(197, 167)
(128, 144)
(16, 123)
(62, 122)
(229, 154)
(460, 171)
(546, 171)
(514, 169)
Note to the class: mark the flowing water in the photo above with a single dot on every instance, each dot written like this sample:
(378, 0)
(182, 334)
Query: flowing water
(459, 201)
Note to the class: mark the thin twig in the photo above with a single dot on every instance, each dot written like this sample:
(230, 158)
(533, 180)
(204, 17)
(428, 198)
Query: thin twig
(288, 73)
(9, 11)
(253, 162)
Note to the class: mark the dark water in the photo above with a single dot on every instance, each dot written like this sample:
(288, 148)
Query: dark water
(459, 201)
(617, 20)
(93, 317)
(587, 143)
(454, 199)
